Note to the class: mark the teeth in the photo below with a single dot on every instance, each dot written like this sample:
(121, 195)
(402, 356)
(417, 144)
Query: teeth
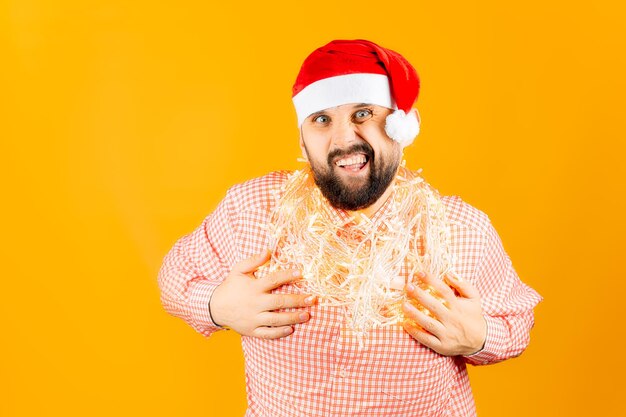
(351, 160)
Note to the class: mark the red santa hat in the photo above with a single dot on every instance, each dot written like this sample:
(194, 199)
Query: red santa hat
(360, 71)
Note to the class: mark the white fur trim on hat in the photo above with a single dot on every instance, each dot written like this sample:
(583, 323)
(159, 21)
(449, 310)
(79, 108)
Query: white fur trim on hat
(343, 89)
(402, 127)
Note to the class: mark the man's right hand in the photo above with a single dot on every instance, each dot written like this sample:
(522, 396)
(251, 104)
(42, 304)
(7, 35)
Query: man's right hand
(247, 305)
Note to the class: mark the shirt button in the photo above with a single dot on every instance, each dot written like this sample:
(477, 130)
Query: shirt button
(343, 373)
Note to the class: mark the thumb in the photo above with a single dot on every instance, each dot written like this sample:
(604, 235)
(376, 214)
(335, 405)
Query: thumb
(250, 265)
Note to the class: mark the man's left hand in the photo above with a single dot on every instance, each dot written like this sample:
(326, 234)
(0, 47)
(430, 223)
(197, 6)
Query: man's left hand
(448, 323)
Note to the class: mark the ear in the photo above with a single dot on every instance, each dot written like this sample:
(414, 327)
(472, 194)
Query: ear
(417, 114)
(302, 147)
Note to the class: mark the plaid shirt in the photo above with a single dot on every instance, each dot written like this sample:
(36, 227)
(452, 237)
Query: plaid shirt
(322, 369)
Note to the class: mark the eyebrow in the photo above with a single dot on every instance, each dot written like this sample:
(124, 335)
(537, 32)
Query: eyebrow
(356, 106)
(317, 113)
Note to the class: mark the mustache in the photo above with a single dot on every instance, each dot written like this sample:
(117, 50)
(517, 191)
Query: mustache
(363, 148)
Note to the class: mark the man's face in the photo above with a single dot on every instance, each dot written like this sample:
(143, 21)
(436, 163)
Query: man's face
(352, 158)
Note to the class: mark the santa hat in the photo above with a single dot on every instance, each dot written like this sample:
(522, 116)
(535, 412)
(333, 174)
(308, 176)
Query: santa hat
(360, 71)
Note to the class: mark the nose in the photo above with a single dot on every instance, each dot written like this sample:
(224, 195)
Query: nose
(344, 134)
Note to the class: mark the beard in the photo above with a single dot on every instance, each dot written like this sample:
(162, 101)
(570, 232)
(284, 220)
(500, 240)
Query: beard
(355, 195)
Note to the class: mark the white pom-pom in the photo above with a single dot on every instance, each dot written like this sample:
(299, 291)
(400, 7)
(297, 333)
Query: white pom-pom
(402, 127)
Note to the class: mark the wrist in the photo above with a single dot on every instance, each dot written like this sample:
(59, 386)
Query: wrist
(212, 316)
(480, 344)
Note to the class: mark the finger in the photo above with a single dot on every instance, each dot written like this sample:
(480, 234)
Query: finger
(272, 319)
(439, 286)
(422, 336)
(272, 332)
(281, 301)
(464, 287)
(428, 300)
(249, 265)
(279, 278)
(423, 320)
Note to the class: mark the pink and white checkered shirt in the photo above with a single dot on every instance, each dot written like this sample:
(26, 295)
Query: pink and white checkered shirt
(322, 369)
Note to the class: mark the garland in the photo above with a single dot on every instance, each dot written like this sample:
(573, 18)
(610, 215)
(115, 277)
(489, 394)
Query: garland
(353, 265)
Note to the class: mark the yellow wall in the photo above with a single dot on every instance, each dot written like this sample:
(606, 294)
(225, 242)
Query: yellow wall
(123, 123)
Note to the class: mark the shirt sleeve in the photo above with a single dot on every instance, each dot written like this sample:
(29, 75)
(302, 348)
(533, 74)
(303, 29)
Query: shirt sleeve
(196, 265)
(507, 304)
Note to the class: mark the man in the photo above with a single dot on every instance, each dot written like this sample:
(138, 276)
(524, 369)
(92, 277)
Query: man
(375, 291)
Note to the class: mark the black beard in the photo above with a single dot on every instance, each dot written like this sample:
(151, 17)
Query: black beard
(350, 197)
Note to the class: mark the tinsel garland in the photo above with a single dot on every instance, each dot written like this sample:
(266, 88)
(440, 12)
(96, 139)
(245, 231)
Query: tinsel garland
(353, 264)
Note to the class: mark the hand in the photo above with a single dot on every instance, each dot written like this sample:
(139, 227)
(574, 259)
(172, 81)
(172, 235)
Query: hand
(448, 323)
(246, 304)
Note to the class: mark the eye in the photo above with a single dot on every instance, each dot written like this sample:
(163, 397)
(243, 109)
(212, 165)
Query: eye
(362, 115)
(322, 118)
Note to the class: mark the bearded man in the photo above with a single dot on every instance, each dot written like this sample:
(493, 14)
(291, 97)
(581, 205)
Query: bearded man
(356, 288)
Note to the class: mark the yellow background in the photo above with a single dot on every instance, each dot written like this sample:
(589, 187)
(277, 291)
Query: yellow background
(124, 122)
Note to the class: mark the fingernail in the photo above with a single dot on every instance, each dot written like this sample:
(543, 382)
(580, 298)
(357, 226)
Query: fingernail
(410, 287)
(421, 274)
(295, 273)
(288, 330)
(309, 300)
(303, 316)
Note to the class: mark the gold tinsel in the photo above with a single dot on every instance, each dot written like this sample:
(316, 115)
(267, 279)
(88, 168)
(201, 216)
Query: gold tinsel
(357, 264)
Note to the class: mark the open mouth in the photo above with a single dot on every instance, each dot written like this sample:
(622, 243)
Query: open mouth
(353, 162)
